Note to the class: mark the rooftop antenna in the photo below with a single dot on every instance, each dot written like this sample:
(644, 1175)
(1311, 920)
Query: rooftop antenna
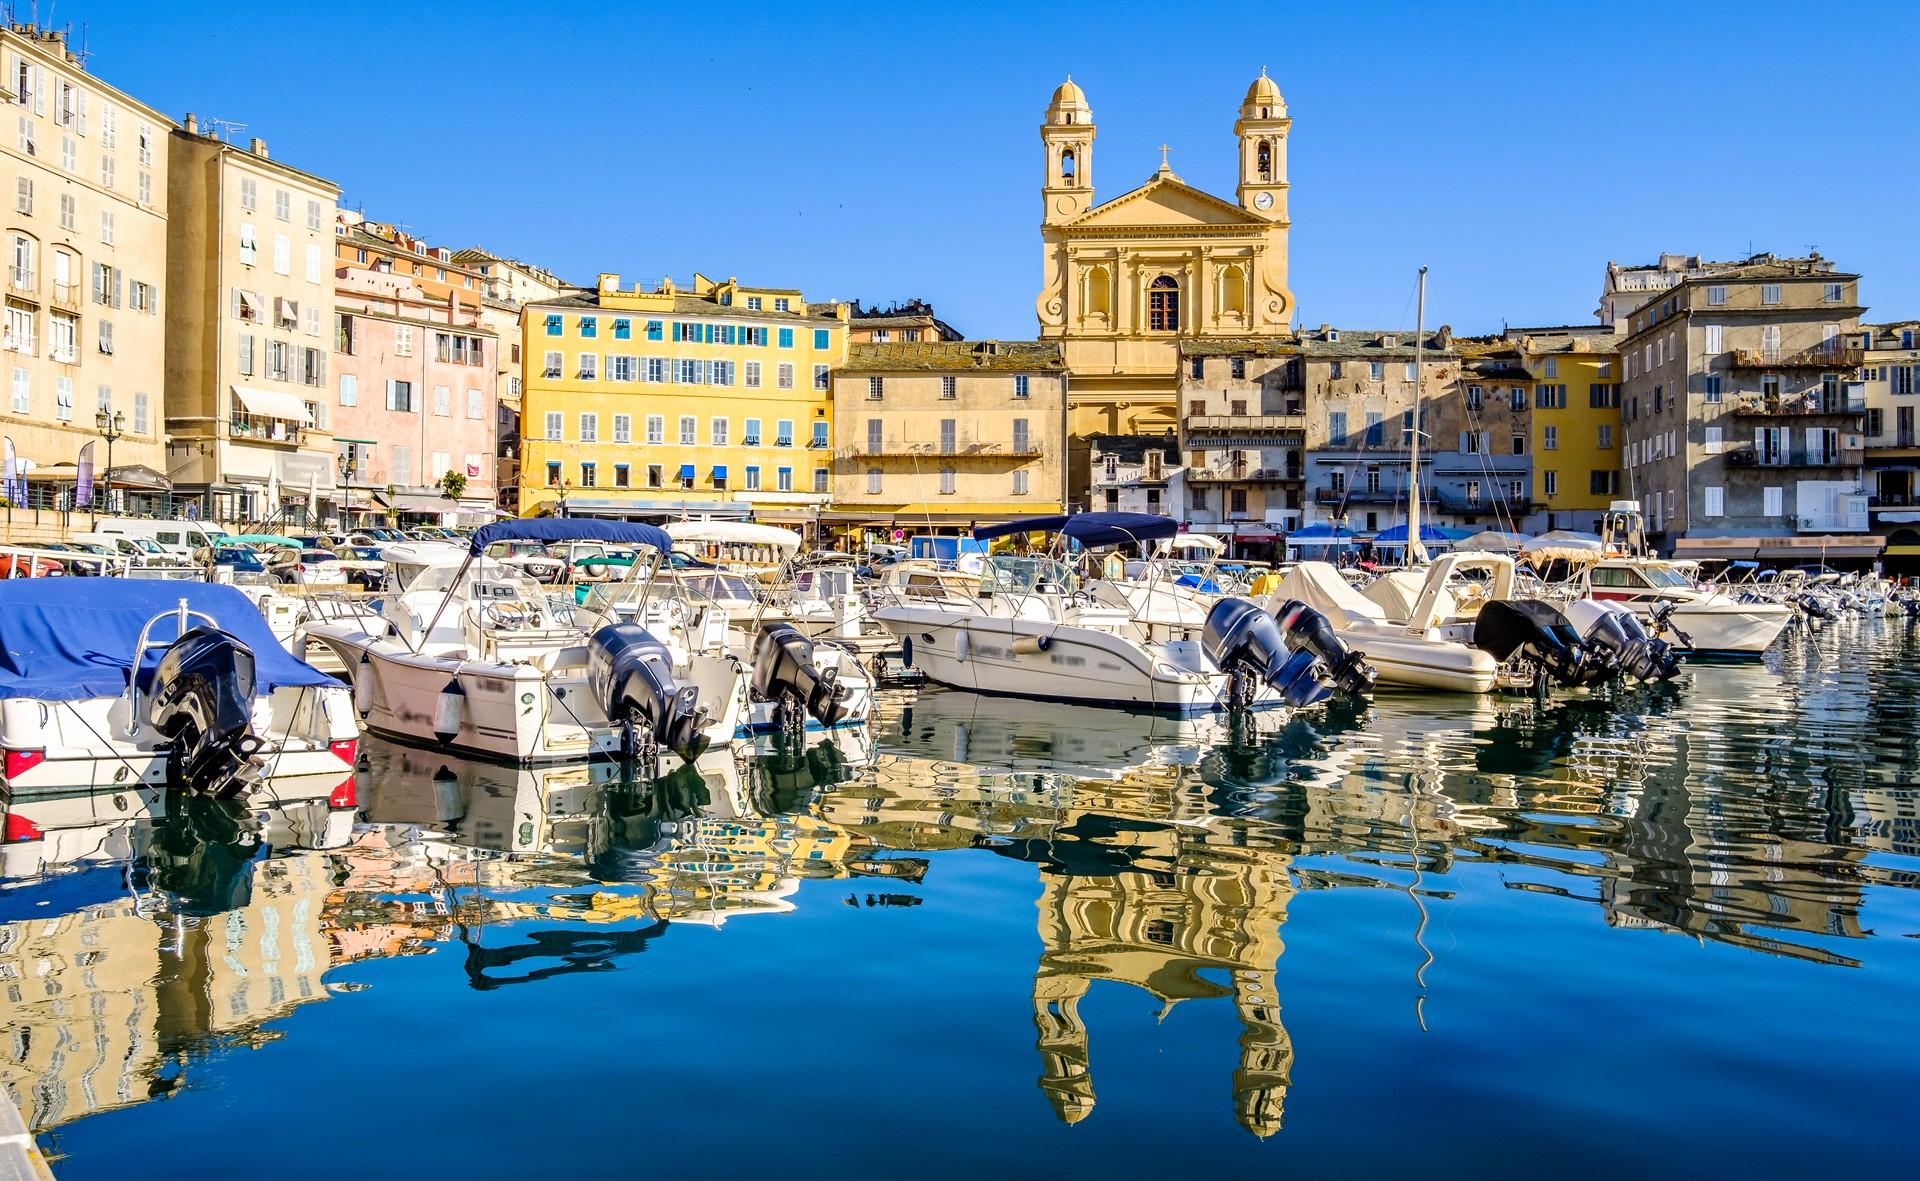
(227, 128)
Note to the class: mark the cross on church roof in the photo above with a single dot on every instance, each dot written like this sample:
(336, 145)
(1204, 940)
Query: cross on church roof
(1164, 149)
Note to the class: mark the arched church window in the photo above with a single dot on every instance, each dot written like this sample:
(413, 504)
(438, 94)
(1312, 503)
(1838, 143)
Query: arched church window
(1163, 304)
(1263, 160)
(1066, 164)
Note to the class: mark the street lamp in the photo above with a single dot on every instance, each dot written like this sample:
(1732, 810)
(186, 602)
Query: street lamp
(111, 427)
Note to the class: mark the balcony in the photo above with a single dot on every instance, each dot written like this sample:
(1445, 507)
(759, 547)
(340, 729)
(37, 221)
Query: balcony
(1834, 356)
(1433, 499)
(1132, 475)
(1790, 406)
(932, 452)
(1248, 430)
(1244, 474)
(66, 295)
(21, 279)
(1795, 457)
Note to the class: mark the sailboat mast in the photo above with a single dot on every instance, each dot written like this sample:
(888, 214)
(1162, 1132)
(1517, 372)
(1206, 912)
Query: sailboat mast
(1416, 549)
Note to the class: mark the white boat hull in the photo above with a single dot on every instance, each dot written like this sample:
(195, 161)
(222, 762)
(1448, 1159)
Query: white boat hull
(1409, 662)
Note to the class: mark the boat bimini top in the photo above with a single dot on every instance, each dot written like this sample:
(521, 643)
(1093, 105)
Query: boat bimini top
(1091, 530)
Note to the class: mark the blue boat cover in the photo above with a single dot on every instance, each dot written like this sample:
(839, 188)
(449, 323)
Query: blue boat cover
(1089, 529)
(1428, 533)
(571, 529)
(69, 639)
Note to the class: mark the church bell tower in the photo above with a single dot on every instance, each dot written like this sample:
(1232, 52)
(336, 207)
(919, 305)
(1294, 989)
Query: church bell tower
(1262, 128)
(1068, 136)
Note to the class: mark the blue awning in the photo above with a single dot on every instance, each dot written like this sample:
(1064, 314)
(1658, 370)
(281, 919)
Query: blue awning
(686, 471)
(570, 529)
(1318, 535)
(1428, 533)
(719, 471)
(1089, 529)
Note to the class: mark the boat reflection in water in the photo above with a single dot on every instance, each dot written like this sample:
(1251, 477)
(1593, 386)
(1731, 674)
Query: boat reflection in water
(1757, 808)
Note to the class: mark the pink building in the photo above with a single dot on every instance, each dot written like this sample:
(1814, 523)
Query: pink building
(414, 399)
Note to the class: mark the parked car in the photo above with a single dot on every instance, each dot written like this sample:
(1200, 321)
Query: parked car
(24, 566)
(532, 559)
(307, 567)
(363, 566)
(239, 559)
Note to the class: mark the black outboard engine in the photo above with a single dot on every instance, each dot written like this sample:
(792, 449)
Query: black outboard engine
(1311, 631)
(1538, 632)
(631, 674)
(784, 673)
(1253, 648)
(202, 700)
(1617, 633)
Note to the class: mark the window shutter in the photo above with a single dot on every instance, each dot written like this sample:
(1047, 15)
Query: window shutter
(1463, 442)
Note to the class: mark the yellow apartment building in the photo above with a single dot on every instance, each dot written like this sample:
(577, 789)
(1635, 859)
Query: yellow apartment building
(85, 291)
(1576, 423)
(711, 401)
(933, 436)
(249, 318)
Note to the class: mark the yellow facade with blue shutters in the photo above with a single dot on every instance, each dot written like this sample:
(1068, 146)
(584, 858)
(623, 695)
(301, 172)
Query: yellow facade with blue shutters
(714, 400)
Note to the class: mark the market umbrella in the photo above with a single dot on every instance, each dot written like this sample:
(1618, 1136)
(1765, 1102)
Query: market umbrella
(1564, 545)
(1496, 541)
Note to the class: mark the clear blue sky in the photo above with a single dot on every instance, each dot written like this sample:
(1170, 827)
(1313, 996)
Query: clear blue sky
(893, 151)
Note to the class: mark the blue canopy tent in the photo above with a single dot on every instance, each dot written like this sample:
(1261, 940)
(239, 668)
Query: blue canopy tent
(570, 529)
(1091, 530)
(1396, 537)
(69, 639)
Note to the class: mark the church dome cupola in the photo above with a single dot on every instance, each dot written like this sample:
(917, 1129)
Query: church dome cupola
(1069, 105)
(1263, 100)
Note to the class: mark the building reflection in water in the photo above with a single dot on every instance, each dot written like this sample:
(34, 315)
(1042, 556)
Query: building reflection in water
(1751, 807)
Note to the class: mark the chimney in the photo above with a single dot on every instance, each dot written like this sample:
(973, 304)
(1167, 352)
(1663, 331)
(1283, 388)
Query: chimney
(609, 281)
(193, 124)
(258, 147)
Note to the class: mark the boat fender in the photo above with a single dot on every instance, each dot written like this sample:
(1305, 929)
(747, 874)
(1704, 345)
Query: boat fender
(961, 646)
(1029, 645)
(363, 686)
(906, 652)
(449, 710)
(594, 569)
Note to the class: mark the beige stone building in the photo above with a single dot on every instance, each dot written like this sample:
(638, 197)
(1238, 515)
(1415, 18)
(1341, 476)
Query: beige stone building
(86, 239)
(937, 437)
(1890, 378)
(1742, 412)
(907, 322)
(249, 319)
(1124, 281)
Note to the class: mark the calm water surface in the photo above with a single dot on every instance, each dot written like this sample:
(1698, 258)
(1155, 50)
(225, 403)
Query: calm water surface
(1675, 931)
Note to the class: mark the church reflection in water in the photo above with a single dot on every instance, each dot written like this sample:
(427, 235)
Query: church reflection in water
(1166, 853)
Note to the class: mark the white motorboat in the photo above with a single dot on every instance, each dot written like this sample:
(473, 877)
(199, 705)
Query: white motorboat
(115, 684)
(1028, 631)
(1703, 623)
(472, 657)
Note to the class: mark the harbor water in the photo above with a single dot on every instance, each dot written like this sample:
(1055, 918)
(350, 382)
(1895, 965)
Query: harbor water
(1669, 929)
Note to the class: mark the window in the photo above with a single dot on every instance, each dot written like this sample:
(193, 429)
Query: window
(589, 475)
(22, 392)
(622, 368)
(782, 305)
(1020, 387)
(1550, 438)
(313, 215)
(589, 428)
(553, 363)
(875, 436)
(589, 366)
(1603, 438)
(1410, 374)
(750, 373)
(403, 340)
(783, 436)
(1336, 428)
(106, 226)
(106, 337)
(1713, 501)
(69, 212)
(140, 404)
(717, 432)
(784, 376)
(1716, 295)
(313, 263)
(474, 405)
(752, 480)
(1716, 339)
(63, 399)
(1376, 434)
(1376, 370)
(819, 436)
(554, 421)
(1550, 483)
(589, 327)
(1333, 369)
(1712, 440)
(947, 481)
(1473, 492)
(23, 195)
(400, 397)
(244, 354)
(689, 430)
(1710, 388)
(948, 436)
(282, 255)
(555, 325)
(822, 340)
(1020, 482)
(282, 204)
(783, 480)
(873, 481)
(876, 388)
(820, 376)
(349, 390)
(656, 429)
(1473, 397)
(1163, 305)
(1773, 501)
(63, 337)
(1770, 294)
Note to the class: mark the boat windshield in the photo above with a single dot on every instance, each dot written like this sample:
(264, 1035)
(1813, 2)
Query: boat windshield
(1011, 574)
(1666, 577)
(716, 586)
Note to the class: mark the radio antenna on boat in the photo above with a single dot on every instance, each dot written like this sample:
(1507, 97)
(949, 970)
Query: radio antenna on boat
(1416, 549)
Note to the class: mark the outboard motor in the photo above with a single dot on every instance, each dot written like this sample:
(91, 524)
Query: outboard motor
(1248, 644)
(202, 700)
(1311, 631)
(1537, 632)
(1617, 633)
(631, 673)
(785, 674)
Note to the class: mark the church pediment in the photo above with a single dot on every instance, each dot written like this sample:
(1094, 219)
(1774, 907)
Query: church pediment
(1165, 202)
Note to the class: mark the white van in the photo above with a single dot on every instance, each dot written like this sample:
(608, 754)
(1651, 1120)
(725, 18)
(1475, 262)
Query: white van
(178, 538)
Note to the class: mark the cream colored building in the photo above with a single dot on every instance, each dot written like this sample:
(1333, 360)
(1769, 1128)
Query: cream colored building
(86, 239)
(249, 322)
(509, 285)
(1125, 280)
(1890, 380)
(947, 434)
